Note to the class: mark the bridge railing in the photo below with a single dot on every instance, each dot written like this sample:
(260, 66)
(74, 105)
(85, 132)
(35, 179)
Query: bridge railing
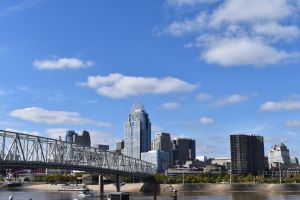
(25, 148)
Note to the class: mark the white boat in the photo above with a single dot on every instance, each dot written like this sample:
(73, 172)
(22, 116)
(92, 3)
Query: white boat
(84, 194)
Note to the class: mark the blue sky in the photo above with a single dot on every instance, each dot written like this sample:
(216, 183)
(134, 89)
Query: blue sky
(200, 70)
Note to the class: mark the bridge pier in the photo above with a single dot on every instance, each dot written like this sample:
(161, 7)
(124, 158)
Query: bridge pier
(118, 183)
(101, 185)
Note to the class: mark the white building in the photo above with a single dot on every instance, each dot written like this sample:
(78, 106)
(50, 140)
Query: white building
(201, 158)
(160, 158)
(224, 161)
(279, 157)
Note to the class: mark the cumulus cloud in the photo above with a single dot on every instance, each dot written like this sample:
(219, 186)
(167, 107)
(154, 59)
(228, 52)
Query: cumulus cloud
(281, 105)
(186, 26)
(253, 36)
(179, 3)
(278, 31)
(203, 97)
(243, 51)
(40, 115)
(206, 120)
(251, 11)
(121, 86)
(170, 105)
(24, 131)
(293, 124)
(62, 63)
(231, 99)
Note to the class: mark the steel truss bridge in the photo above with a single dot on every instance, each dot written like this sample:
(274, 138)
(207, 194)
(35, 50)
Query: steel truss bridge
(18, 150)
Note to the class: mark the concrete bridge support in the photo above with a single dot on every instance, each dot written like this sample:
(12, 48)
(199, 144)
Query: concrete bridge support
(101, 185)
(118, 188)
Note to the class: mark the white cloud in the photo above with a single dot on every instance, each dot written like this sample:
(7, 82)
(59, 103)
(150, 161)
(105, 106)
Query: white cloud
(236, 11)
(277, 31)
(170, 105)
(293, 124)
(40, 115)
(55, 133)
(186, 26)
(206, 120)
(62, 63)
(231, 99)
(121, 86)
(281, 105)
(243, 51)
(24, 131)
(179, 3)
(22, 5)
(203, 97)
(252, 36)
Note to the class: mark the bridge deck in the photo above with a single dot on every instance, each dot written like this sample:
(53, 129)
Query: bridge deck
(30, 151)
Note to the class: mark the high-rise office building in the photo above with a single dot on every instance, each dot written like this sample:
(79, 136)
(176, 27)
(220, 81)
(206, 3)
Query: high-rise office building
(137, 132)
(279, 157)
(247, 154)
(157, 157)
(119, 145)
(163, 142)
(84, 139)
(70, 136)
(184, 149)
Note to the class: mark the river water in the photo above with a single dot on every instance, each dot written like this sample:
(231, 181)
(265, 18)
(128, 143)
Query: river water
(34, 195)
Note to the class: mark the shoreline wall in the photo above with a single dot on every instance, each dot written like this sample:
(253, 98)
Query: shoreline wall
(191, 187)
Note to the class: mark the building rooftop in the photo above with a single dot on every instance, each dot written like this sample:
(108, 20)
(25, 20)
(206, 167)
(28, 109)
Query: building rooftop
(137, 107)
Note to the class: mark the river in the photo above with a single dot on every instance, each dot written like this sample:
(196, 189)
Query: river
(34, 195)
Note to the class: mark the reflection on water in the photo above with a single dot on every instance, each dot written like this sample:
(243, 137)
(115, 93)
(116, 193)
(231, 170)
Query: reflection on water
(26, 195)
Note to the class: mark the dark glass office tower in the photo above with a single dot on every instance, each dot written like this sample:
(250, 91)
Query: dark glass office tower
(247, 154)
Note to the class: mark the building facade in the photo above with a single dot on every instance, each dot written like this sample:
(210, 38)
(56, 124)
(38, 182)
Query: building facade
(157, 157)
(279, 157)
(120, 145)
(84, 139)
(184, 149)
(247, 154)
(163, 142)
(224, 161)
(102, 147)
(137, 132)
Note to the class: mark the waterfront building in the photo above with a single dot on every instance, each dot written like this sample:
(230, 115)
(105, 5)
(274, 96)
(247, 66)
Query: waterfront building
(223, 161)
(102, 147)
(201, 158)
(137, 132)
(184, 149)
(84, 139)
(247, 154)
(160, 158)
(279, 157)
(163, 142)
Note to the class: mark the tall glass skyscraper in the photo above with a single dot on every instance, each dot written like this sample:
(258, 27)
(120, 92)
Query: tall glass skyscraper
(137, 132)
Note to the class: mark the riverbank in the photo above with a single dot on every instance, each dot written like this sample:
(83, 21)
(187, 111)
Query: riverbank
(188, 187)
(243, 187)
(130, 187)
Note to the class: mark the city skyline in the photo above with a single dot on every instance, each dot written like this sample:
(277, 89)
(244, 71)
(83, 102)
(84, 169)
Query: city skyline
(84, 72)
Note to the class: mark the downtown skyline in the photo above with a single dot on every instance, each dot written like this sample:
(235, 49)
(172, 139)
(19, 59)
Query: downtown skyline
(199, 73)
